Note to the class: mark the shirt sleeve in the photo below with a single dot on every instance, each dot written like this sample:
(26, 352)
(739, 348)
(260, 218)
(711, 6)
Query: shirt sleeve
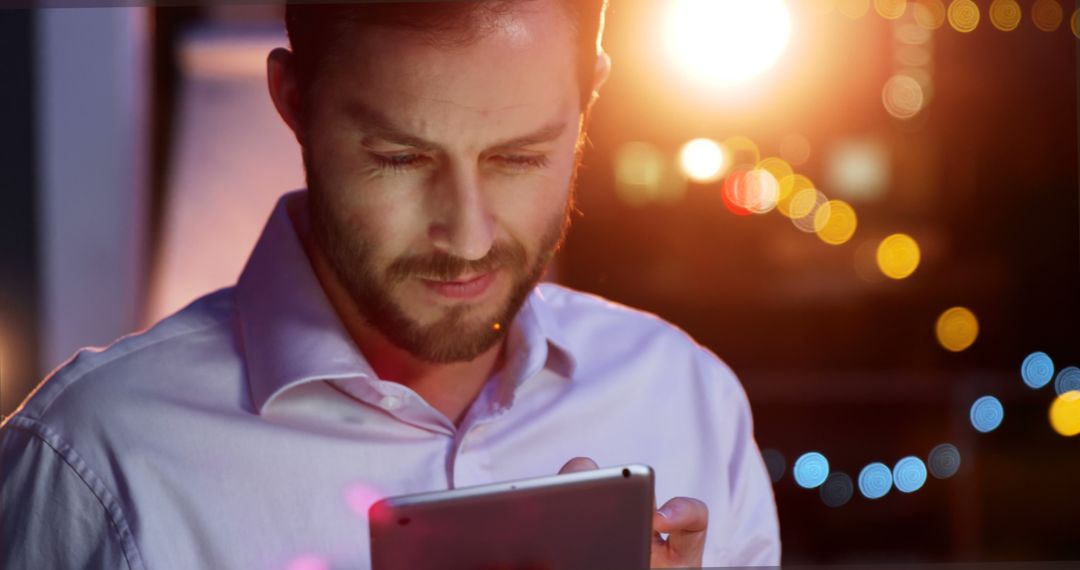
(755, 532)
(50, 515)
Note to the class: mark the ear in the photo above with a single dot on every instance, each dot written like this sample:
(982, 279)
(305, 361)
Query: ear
(600, 73)
(284, 89)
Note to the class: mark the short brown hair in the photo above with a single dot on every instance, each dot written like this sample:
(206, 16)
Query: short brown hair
(314, 28)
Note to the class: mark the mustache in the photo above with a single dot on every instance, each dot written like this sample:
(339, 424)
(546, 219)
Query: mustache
(442, 266)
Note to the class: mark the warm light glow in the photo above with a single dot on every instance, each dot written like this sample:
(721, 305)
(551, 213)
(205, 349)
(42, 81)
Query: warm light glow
(890, 9)
(1065, 413)
(1005, 15)
(902, 96)
(1046, 14)
(1074, 23)
(835, 222)
(795, 149)
(804, 206)
(963, 15)
(929, 14)
(898, 256)
(702, 160)
(643, 174)
(727, 42)
(853, 8)
(757, 191)
(741, 152)
(957, 329)
(790, 186)
(308, 562)
(858, 169)
(729, 192)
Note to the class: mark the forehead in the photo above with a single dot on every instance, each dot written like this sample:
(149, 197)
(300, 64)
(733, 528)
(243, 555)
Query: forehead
(518, 63)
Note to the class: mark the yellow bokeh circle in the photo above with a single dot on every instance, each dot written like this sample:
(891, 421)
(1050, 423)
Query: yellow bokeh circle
(835, 222)
(929, 14)
(898, 256)
(1065, 413)
(956, 329)
(1005, 15)
(890, 9)
(1046, 15)
(790, 186)
(963, 15)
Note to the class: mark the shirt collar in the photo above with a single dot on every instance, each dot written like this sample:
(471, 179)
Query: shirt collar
(292, 335)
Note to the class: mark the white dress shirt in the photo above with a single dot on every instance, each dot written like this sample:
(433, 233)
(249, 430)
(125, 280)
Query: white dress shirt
(248, 432)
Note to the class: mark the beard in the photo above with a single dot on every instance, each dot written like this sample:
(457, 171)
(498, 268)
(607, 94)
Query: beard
(460, 334)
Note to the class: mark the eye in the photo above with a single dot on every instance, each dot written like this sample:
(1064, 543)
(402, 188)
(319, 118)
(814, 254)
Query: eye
(522, 161)
(399, 161)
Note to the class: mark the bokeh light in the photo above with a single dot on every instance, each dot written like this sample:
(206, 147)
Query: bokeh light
(837, 489)
(944, 461)
(1067, 380)
(793, 185)
(929, 14)
(360, 497)
(644, 174)
(1037, 370)
(1046, 15)
(810, 470)
(702, 160)
(858, 169)
(875, 480)
(778, 167)
(1074, 23)
(741, 152)
(1005, 15)
(795, 149)
(903, 96)
(804, 206)
(774, 463)
(963, 15)
(729, 192)
(890, 9)
(835, 222)
(308, 562)
(898, 256)
(1065, 413)
(912, 34)
(756, 191)
(853, 8)
(909, 474)
(956, 329)
(727, 42)
(986, 414)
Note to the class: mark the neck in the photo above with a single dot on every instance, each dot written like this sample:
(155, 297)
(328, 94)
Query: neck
(449, 388)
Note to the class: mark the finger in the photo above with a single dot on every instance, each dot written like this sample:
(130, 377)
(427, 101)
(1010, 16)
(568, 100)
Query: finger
(685, 524)
(578, 464)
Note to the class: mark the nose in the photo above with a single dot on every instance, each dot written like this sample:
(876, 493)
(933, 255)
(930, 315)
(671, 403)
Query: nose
(464, 225)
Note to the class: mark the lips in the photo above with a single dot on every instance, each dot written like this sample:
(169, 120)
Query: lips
(469, 288)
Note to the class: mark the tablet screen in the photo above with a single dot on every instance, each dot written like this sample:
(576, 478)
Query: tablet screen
(594, 519)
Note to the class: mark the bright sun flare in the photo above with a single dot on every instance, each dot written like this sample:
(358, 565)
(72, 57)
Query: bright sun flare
(727, 42)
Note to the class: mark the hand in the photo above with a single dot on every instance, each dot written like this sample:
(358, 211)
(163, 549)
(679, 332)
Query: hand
(685, 524)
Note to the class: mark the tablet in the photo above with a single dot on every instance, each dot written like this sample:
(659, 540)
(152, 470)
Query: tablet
(588, 519)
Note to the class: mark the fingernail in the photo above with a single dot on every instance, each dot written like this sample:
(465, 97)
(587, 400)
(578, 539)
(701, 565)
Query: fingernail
(665, 512)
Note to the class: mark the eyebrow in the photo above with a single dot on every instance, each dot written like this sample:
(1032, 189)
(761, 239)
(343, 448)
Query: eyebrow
(378, 125)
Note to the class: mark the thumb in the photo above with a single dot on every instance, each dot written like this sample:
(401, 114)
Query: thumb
(578, 464)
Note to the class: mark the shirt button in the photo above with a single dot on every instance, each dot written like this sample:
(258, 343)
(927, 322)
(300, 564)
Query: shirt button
(390, 403)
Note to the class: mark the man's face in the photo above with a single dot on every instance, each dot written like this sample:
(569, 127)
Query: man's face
(440, 175)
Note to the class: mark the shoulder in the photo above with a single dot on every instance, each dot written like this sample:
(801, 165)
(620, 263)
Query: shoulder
(95, 381)
(596, 327)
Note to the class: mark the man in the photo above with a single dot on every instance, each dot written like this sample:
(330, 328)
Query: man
(387, 335)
